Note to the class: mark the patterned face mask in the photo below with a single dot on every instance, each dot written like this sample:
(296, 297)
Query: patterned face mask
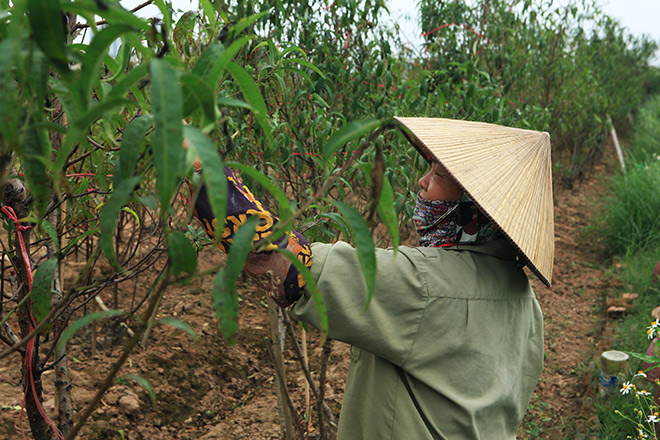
(442, 223)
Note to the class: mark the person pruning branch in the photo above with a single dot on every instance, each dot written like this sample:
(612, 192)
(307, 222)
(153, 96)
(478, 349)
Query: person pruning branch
(451, 345)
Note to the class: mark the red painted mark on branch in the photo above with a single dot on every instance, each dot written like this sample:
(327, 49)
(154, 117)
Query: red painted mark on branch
(348, 38)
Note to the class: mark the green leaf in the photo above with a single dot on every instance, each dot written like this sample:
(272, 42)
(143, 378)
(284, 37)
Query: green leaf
(167, 136)
(52, 233)
(253, 96)
(285, 209)
(231, 102)
(120, 196)
(213, 174)
(215, 59)
(42, 285)
(364, 245)
(48, 30)
(225, 298)
(144, 383)
(95, 53)
(645, 358)
(37, 151)
(84, 321)
(177, 323)
(9, 50)
(197, 94)
(131, 144)
(122, 86)
(245, 22)
(304, 63)
(182, 253)
(352, 130)
(209, 12)
(312, 289)
(388, 214)
(39, 75)
(339, 221)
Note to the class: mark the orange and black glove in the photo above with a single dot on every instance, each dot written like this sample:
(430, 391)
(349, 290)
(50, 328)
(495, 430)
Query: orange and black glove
(271, 270)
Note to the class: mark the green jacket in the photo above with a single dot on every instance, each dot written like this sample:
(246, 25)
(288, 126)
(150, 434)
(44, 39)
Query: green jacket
(451, 346)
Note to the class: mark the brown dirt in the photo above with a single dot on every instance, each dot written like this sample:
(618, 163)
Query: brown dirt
(210, 390)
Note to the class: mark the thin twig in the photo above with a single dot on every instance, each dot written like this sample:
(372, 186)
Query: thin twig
(308, 375)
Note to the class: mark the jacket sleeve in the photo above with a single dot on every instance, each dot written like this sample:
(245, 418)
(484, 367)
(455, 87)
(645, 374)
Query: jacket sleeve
(388, 326)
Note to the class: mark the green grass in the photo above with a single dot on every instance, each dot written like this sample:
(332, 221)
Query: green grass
(631, 215)
(630, 229)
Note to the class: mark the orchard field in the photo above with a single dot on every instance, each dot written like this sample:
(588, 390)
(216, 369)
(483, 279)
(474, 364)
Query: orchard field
(124, 319)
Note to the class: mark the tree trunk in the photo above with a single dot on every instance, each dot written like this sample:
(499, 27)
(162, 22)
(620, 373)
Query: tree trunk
(62, 382)
(14, 195)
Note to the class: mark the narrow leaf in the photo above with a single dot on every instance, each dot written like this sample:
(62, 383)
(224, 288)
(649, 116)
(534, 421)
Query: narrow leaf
(225, 298)
(253, 96)
(167, 137)
(84, 321)
(352, 130)
(94, 54)
(182, 253)
(144, 383)
(245, 22)
(126, 81)
(41, 288)
(120, 196)
(231, 102)
(52, 233)
(177, 323)
(213, 174)
(197, 94)
(8, 92)
(388, 214)
(304, 63)
(37, 150)
(48, 29)
(131, 144)
(215, 60)
(363, 243)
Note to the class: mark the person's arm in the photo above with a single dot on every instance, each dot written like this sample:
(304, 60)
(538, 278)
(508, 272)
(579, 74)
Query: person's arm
(387, 327)
(271, 270)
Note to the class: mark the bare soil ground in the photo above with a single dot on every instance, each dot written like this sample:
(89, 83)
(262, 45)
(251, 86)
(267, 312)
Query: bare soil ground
(210, 390)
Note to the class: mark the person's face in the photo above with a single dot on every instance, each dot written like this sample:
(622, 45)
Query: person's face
(437, 184)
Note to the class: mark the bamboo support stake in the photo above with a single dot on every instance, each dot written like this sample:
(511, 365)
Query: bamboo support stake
(619, 153)
(275, 346)
(303, 337)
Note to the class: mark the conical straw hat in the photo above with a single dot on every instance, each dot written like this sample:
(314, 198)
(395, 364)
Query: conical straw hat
(505, 171)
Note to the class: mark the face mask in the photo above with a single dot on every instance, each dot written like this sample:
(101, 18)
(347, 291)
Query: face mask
(450, 222)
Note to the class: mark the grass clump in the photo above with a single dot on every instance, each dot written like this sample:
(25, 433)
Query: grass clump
(630, 229)
(631, 221)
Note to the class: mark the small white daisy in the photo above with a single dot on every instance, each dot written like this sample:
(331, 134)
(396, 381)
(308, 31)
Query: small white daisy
(640, 373)
(653, 418)
(627, 387)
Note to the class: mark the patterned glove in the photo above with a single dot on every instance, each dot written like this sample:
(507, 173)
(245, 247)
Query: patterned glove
(271, 270)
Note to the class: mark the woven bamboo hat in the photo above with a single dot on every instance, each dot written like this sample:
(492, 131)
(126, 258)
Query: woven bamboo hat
(505, 171)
